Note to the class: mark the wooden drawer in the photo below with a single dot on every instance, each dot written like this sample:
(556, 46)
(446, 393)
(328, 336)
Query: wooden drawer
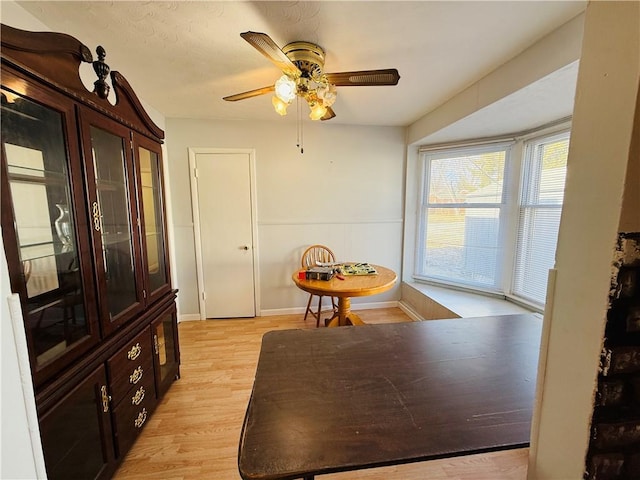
(132, 413)
(130, 366)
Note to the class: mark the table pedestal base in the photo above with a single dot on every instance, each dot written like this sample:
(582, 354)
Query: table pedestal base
(344, 315)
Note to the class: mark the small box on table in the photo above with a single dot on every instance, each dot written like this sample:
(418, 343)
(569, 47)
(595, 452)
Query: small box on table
(319, 273)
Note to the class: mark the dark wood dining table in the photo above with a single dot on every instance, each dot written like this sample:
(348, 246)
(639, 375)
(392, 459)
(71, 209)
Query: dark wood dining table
(332, 400)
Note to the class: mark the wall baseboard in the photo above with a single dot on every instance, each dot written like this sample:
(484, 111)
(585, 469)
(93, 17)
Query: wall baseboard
(300, 310)
(189, 317)
(406, 308)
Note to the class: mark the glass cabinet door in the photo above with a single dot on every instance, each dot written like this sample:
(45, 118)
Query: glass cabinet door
(40, 229)
(115, 220)
(154, 234)
(166, 351)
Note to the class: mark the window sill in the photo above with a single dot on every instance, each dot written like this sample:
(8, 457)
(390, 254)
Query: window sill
(430, 302)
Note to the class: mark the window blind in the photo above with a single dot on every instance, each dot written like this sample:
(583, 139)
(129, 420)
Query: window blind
(540, 207)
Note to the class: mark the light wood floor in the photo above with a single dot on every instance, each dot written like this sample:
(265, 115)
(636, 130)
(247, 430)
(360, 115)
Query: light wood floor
(195, 430)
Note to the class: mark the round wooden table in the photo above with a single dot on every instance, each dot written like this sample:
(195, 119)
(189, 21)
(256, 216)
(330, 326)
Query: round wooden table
(351, 286)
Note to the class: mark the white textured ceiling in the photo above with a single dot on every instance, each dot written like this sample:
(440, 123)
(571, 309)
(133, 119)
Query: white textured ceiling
(183, 57)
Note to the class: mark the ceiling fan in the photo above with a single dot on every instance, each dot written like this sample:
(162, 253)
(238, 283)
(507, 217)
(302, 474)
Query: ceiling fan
(302, 65)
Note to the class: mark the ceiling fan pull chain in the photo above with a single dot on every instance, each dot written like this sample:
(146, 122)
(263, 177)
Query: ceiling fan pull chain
(300, 143)
(301, 130)
(297, 123)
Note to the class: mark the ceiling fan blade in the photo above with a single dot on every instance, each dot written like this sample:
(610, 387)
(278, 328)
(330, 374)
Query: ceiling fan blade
(329, 115)
(263, 43)
(389, 76)
(249, 94)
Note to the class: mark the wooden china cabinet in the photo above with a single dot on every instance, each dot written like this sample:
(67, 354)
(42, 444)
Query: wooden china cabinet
(84, 232)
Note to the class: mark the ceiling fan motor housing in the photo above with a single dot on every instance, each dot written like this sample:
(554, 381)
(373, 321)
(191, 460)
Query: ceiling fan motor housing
(308, 57)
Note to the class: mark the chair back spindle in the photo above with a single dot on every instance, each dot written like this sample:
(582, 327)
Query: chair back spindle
(310, 258)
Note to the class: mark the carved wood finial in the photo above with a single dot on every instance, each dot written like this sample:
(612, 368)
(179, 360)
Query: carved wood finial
(101, 87)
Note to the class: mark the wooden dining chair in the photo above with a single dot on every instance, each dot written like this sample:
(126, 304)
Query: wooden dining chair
(310, 258)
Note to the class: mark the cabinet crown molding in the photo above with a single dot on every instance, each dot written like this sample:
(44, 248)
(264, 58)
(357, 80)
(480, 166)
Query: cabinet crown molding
(56, 57)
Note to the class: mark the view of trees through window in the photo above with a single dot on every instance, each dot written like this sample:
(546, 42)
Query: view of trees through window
(463, 211)
(463, 232)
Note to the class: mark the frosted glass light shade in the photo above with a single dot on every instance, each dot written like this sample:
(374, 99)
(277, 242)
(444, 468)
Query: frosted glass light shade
(327, 94)
(317, 111)
(279, 105)
(285, 89)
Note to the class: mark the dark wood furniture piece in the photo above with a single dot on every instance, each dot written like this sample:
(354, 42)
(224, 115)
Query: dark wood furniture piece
(84, 232)
(341, 399)
(345, 288)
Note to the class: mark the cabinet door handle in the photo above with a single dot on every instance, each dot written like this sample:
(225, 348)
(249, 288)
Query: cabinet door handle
(142, 417)
(136, 376)
(96, 216)
(135, 352)
(138, 397)
(105, 398)
(156, 345)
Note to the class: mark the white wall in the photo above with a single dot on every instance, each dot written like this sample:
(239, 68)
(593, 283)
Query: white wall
(21, 456)
(630, 215)
(596, 168)
(345, 191)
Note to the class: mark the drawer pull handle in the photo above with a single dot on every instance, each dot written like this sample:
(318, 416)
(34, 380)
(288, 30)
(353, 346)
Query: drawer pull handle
(105, 398)
(136, 376)
(142, 417)
(135, 352)
(138, 397)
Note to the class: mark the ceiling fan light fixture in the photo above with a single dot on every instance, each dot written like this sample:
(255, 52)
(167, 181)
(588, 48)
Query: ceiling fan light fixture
(279, 105)
(328, 94)
(317, 111)
(286, 89)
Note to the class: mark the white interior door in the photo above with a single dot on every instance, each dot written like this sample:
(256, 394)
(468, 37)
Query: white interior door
(225, 220)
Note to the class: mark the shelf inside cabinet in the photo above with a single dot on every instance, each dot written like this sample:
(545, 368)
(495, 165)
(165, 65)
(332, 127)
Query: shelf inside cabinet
(111, 239)
(20, 174)
(43, 250)
(110, 185)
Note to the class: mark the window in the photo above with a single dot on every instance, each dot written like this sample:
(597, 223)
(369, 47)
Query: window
(545, 169)
(484, 229)
(462, 216)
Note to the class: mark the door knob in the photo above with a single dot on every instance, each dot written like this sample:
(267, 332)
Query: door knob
(245, 247)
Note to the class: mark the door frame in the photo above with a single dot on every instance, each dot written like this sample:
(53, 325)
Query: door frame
(193, 152)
